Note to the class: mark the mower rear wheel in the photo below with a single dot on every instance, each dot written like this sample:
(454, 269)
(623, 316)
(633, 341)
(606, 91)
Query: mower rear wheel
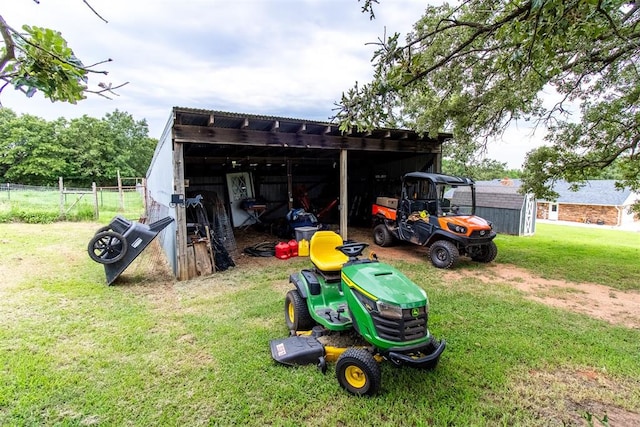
(358, 372)
(382, 236)
(296, 312)
(443, 254)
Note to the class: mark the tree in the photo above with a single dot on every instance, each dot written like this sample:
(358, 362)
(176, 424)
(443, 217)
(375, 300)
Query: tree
(485, 170)
(39, 59)
(30, 151)
(102, 147)
(83, 150)
(477, 67)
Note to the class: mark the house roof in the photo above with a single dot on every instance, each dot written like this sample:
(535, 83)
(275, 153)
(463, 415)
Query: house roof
(594, 192)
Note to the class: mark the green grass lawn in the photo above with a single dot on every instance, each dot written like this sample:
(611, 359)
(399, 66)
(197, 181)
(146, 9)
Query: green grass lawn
(578, 254)
(151, 351)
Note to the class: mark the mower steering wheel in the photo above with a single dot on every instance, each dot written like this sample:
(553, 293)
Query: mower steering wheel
(352, 250)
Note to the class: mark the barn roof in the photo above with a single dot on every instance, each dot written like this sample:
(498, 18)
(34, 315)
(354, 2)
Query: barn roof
(239, 129)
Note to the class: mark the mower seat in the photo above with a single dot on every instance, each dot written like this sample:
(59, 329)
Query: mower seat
(323, 252)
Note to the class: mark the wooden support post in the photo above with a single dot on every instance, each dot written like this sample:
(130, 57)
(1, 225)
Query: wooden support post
(289, 184)
(181, 220)
(344, 201)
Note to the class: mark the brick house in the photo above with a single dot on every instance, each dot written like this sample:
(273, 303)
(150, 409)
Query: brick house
(597, 202)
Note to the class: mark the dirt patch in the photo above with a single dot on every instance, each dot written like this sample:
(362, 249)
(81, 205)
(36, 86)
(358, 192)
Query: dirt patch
(602, 302)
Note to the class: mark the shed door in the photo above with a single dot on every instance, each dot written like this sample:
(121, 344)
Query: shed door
(240, 187)
(553, 211)
(529, 215)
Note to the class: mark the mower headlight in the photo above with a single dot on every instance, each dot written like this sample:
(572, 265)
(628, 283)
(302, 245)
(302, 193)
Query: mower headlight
(390, 311)
(457, 228)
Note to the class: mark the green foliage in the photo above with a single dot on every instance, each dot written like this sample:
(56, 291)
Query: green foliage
(47, 64)
(476, 67)
(85, 150)
(485, 170)
(29, 216)
(39, 59)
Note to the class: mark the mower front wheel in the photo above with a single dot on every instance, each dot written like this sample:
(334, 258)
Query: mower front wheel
(296, 312)
(358, 372)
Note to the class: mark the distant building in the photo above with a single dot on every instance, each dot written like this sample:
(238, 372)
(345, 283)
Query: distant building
(510, 212)
(597, 202)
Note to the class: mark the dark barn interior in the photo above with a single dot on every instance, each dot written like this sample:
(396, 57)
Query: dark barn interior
(296, 163)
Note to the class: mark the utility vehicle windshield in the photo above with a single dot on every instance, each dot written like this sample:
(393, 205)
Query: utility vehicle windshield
(439, 199)
(455, 200)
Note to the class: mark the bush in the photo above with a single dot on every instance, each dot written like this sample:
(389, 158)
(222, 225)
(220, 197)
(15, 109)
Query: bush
(29, 216)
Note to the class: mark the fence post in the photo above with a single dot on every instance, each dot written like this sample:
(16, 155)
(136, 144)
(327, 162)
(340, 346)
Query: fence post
(96, 211)
(120, 192)
(144, 196)
(61, 187)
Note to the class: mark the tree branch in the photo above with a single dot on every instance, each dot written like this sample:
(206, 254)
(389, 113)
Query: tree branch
(8, 43)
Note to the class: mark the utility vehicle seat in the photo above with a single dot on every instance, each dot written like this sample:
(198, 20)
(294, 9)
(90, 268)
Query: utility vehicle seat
(323, 252)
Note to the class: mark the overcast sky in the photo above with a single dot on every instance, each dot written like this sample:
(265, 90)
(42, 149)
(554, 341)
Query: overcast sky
(289, 58)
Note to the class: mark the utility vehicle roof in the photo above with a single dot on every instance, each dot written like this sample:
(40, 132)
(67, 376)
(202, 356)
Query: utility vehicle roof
(439, 178)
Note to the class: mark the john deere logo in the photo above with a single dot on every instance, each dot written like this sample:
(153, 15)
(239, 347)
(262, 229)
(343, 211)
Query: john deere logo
(415, 312)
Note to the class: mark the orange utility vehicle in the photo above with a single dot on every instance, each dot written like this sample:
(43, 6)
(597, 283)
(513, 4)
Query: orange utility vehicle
(437, 211)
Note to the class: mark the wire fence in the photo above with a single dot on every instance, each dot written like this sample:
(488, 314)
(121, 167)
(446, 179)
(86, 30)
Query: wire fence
(29, 203)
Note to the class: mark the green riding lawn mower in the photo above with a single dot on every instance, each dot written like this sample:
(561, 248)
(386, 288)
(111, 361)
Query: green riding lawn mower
(344, 295)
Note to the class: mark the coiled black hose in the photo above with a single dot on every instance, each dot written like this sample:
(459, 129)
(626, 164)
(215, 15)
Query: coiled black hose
(264, 249)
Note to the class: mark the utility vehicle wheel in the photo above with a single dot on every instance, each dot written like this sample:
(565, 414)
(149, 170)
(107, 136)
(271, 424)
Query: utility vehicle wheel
(107, 247)
(358, 372)
(443, 254)
(296, 312)
(486, 253)
(382, 236)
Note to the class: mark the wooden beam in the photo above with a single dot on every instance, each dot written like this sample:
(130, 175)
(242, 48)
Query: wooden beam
(206, 135)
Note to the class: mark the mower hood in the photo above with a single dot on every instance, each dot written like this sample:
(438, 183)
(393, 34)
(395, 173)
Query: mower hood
(379, 281)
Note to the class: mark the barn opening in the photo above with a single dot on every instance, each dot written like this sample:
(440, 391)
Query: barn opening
(260, 168)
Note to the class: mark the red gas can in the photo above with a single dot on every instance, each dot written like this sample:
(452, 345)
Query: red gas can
(282, 250)
(293, 248)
